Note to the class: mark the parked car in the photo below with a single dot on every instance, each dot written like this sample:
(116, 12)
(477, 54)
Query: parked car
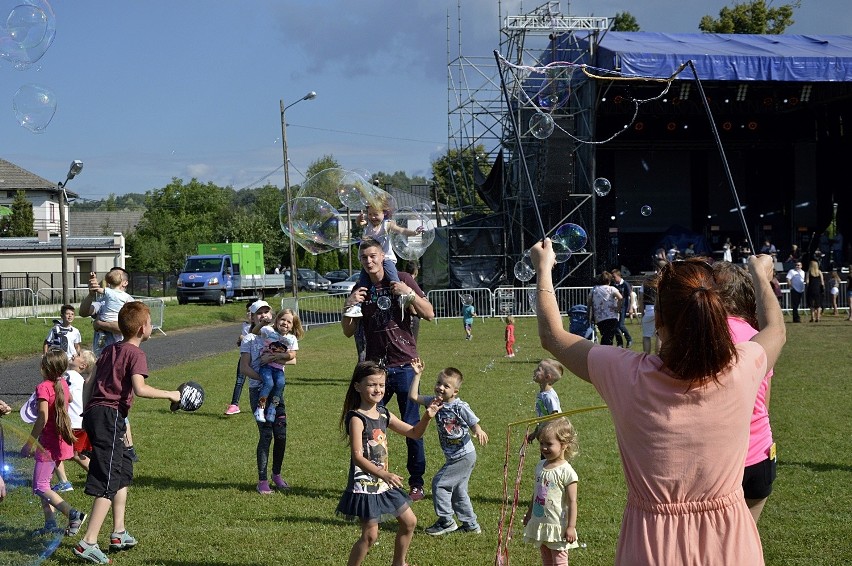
(346, 285)
(339, 275)
(308, 279)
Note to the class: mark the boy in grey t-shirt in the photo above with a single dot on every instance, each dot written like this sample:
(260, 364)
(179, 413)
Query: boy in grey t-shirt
(455, 423)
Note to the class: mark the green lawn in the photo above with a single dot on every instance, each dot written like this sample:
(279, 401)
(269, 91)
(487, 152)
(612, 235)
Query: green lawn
(194, 500)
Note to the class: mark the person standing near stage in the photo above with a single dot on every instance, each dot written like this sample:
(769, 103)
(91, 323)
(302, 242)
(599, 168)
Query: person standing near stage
(387, 326)
(796, 281)
(626, 289)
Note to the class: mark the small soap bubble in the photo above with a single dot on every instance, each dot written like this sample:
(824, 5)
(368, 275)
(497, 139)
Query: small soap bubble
(524, 270)
(541, 125)
(602, 186)
(646, 210)
(34, 107)
(383, 302)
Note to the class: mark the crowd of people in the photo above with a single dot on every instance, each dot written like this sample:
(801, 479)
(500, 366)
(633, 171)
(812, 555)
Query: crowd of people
(711, 335)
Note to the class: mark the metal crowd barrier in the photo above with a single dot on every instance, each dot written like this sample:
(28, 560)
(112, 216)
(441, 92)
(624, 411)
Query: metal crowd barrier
(18, 303)
(315, 310)
(48, 301)
(158, 311)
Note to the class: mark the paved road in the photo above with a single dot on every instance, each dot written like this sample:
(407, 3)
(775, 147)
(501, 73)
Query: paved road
(18, 378)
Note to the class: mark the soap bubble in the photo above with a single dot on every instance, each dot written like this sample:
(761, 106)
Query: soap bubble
(353, 190)
(423, 208)
(412, 247)
(523, 269)
(570, 236)
(541, 125)
(602, 186)
(646, 210)
(34, 107)
(383, 302)
(21, 539)
(316, 225)
(548, 101)
(466, 298)
(26, 32)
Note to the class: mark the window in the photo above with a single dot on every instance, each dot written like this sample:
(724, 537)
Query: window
(84, 268)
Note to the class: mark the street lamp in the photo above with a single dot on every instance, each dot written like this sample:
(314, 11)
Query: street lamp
(293, 275)
(76, 167)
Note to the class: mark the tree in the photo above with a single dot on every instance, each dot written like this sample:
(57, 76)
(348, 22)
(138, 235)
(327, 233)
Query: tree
(624, 21)
(22, 218)
(453, 174)
(751, 17)
(178, 217)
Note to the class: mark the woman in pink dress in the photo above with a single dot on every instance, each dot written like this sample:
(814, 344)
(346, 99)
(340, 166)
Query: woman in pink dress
(681, 418)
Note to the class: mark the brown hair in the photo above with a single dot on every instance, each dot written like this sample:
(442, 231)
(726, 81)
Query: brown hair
(298, 331)
(352, 401)
(563, 431)
(66, 308)
(737, 291)
(605, 278)
(454, 373)
(132, 317)
(553, 368)
(699, 345)
(369, 243)
(53, 365)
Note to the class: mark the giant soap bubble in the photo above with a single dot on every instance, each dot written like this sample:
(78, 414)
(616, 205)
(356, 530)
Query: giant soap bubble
(27, 29)
(316, 225)
(412, 246)
(354, 191)
(34, 107)
(23, 538)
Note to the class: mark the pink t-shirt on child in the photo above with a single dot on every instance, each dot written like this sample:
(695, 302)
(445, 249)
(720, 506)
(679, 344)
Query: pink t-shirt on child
(53, 447)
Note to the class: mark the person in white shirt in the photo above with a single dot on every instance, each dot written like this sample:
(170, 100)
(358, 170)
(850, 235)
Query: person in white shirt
(796, 280)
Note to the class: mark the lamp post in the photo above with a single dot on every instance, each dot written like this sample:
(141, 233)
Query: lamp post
(76, 167)
(294, 276)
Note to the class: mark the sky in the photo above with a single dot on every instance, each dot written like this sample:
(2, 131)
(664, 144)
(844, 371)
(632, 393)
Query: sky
(151, 90)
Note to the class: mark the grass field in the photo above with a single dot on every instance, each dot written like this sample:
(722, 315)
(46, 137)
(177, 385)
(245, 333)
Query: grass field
(194, 502)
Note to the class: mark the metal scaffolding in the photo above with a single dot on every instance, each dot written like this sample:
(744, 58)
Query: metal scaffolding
(561, 169)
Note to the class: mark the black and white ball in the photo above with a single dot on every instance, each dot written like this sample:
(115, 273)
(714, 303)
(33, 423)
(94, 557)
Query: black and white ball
(191, 396)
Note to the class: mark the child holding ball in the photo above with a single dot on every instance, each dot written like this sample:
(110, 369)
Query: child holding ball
(551, 520)
(373, 493)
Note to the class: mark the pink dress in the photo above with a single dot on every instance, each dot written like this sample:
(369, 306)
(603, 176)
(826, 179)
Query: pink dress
(682, 454)
(52, 446)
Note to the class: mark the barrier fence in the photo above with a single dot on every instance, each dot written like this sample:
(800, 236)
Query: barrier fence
(503, 301)
(46, 302)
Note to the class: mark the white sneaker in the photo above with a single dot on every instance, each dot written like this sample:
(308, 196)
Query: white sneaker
(258, 415)
(353, 312)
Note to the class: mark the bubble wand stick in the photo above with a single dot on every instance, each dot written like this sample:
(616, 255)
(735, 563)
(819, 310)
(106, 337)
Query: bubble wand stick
(718, 140)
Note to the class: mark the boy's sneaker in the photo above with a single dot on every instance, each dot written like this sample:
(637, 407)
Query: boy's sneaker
(75, 521)
(263, 488)
(416, 493)
(468, 528)
(232, 410)
(279, 482)
(353, 312)
(91, 553)
(258, 415)
(62, 487)
(441, 527)
(121, 541)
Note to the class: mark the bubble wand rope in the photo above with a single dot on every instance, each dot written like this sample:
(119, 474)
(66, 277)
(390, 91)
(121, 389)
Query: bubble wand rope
(718, 140)
(523, 159)
(502, 557)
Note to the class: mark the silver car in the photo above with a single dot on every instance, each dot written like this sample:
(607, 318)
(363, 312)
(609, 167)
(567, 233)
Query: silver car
(346, 285)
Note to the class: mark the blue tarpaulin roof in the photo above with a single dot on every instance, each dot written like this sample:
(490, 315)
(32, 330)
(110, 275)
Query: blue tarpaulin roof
(729, 57)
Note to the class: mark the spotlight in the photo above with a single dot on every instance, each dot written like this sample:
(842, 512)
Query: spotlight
(741, 92)
(684, 91)
(671, 126)
(727, 125)
(806, 93)
(639, 126)
(752, 125)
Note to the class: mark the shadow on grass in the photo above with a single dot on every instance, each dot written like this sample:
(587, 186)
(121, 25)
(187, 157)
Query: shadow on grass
(817, 466)
(319, 381)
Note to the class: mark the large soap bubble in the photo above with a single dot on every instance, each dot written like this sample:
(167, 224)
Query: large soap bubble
(523, 268)
(354, 191)
(571, 236)
(23, 538)
(412, 246)
(541, 125)
(27, 29)
(316, 225)
(34, 107)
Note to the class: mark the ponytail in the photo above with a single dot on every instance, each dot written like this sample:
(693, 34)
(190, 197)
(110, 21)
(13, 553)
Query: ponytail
(53, 366)
(698, 346)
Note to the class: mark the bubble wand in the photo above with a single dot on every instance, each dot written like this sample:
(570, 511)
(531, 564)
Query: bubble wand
(718, 140)
(523, 159)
